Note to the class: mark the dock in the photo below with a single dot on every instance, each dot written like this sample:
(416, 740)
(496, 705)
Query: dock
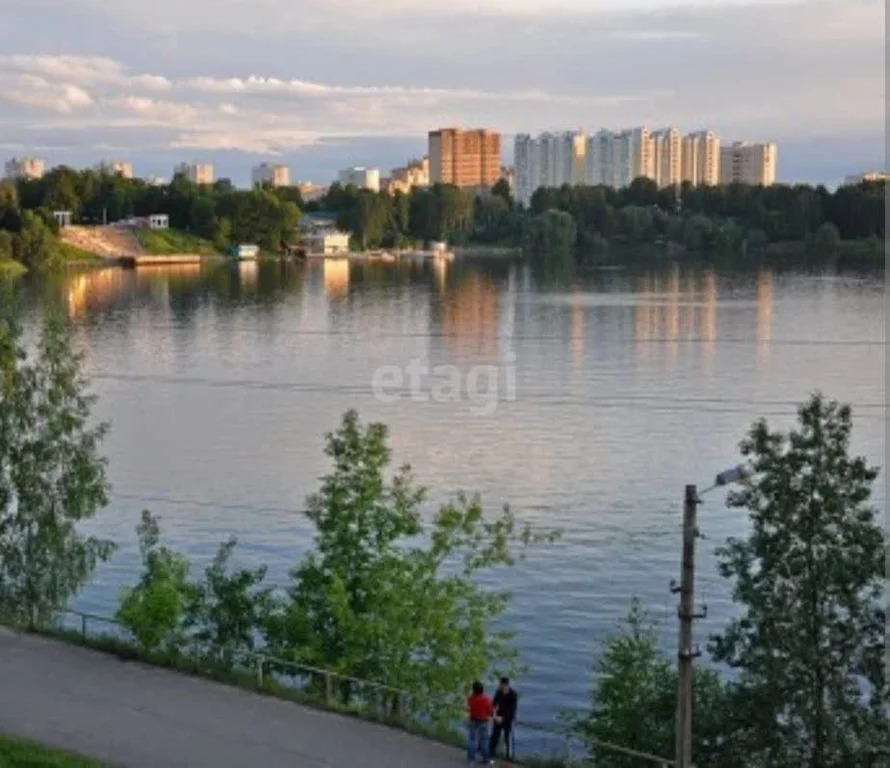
(161, 259)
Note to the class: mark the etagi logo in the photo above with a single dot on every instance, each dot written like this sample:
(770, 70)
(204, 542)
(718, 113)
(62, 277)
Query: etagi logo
(484, 386)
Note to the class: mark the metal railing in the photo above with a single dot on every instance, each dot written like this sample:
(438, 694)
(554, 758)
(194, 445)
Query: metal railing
(342, 692)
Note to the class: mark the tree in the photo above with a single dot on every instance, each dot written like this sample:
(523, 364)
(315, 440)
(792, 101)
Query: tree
(502, 189)
(551, 236)
(633, 703)
(35, 245)
(807, 645)
(228, 606)
(154, 610)
(385, 597)
(826, 239)
(51, 476)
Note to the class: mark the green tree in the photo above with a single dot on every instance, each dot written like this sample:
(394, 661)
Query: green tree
(154, 610)
(501, 189)
(35, 245)
(6, 246)
(807, 645)
(228, 606)
(826, 239)
(385, 597)
(551, 236)
(633, 703)
(52, 476)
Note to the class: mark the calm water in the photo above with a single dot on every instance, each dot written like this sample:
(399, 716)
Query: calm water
(221, 382)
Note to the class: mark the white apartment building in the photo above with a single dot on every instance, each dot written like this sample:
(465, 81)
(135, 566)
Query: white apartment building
(112, 167)
(550, 160)
(701, 159)
(271, 174)
(859, 178)
(197, 173)
(364, 178)
(748, 163)
(24, 168)
(615, 159)
(667, 158)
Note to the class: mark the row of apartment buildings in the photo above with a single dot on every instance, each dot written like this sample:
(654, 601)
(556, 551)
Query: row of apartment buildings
(616, 158)
(35, 168)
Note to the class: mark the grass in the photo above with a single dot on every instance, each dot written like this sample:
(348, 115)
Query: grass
(73, 253)
(10, 268)
(17, 753)
(161, 241)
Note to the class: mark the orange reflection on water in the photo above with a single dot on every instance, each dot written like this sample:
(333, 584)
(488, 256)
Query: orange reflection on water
(708, 324)
(248, 273)
(92, 289)
(440, 273)
(336, 277)
(470, 317)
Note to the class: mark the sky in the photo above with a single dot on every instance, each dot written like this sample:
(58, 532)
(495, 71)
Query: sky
(325, 84)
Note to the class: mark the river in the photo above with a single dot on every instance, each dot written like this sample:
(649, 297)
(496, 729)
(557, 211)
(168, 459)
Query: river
(610, 391)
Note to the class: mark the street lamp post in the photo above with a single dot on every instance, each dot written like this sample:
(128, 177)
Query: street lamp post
(686, 613)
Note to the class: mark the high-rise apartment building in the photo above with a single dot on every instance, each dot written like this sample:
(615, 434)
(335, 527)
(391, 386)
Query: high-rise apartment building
(747, 163)
(667, 158)
(270, 174)
(866, 176)
(615, 159)
(25, 168)
(465, 158)
(197, 173)
(112, 167)
(361, 177)
(701, 159)
(550, 160)
(415, 174)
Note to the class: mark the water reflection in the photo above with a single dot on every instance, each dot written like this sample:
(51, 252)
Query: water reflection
(336, 277)
(470, 317)
(708, 322)
(92, 290)
(764, 315)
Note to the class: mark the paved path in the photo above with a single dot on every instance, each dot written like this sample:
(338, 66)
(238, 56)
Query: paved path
(131, 714)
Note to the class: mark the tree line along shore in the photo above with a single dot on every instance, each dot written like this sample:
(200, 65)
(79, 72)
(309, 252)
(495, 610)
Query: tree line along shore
(569, 225)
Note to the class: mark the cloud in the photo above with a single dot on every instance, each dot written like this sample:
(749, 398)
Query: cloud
(37, 93)
(273, 76)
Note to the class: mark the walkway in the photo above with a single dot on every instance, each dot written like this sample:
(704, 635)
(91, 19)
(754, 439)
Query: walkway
(131, 714)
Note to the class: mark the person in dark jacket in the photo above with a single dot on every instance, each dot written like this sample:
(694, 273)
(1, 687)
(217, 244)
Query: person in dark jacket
(506, 702)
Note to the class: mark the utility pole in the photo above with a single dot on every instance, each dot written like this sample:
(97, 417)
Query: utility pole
(686, 615)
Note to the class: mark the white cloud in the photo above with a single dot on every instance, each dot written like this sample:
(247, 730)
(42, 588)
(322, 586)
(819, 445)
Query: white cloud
(273, 75)
(38, 93)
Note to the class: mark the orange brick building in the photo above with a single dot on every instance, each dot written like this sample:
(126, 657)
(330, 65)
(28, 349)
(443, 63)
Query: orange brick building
(465, 158)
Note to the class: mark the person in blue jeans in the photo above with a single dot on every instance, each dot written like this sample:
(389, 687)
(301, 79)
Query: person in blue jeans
(480, 711)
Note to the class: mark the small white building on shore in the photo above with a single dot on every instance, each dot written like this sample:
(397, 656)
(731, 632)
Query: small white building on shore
(322, 237)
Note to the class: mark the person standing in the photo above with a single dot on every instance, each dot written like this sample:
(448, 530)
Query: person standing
(506, 702)
(480, 710)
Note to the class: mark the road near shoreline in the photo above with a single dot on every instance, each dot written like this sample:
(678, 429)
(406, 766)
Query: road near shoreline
(131, 714)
